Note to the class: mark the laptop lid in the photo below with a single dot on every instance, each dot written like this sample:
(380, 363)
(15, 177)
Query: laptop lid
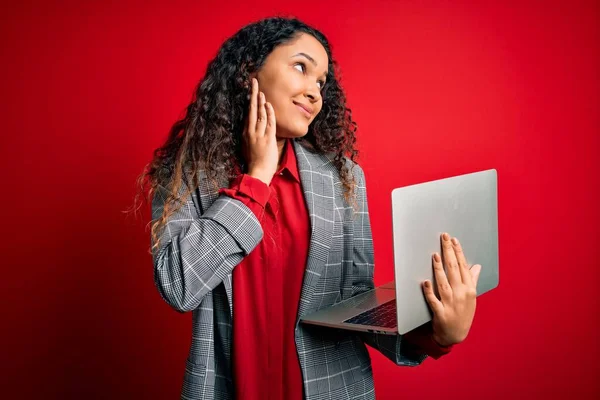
(466, 207)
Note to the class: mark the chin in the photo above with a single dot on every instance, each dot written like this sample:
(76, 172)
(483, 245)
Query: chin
(292, 132)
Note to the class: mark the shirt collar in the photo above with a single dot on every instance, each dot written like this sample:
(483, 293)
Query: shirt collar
(289, 161)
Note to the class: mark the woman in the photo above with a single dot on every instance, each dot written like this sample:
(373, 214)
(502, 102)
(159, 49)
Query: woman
(260, 216)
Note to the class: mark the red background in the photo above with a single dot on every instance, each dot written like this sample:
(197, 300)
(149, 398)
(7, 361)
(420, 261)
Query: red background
(438, 89)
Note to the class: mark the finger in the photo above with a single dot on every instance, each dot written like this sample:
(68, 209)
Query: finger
(475, 273)
(252, 115)
(450, 261)
(436, 306)
(442, 281)
(271, 122)
(463, 267)
(261, 123)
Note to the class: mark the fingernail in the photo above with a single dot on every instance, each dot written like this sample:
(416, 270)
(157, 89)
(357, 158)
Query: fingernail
(455, 241)
(436, 257)
(445, 236)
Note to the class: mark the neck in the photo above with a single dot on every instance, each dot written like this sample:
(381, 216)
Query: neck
(280, 148)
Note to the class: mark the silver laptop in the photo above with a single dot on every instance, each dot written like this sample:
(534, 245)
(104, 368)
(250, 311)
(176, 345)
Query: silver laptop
(466, 207)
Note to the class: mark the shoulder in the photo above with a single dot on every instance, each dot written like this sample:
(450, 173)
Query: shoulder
(324, 162)
(328, 159)
(355, 169)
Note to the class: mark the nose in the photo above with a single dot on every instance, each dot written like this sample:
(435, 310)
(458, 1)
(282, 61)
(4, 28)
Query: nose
(313, 92)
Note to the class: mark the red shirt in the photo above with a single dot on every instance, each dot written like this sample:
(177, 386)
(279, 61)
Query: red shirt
(267, 285)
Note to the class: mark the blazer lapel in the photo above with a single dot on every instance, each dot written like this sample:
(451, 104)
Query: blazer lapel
(318, 188)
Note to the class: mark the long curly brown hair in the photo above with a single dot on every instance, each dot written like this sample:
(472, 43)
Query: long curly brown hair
(209, 136)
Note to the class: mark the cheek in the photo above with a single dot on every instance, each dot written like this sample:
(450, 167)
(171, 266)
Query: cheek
(282, 83)
(320, 108)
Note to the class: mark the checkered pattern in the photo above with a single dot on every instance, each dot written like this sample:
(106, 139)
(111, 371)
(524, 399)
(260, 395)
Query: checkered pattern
(211, 234)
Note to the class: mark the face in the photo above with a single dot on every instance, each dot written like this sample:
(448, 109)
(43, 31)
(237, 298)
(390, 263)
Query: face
(292, 78)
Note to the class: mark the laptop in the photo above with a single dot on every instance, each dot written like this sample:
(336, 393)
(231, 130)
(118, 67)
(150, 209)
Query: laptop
(466, 207)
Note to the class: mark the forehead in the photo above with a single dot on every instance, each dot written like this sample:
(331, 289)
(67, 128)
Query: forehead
(304, 43)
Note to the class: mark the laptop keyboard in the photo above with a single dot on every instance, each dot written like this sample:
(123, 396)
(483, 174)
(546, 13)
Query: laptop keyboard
(383, 315)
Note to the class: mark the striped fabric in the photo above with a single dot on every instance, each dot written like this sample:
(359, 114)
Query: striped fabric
(211, 234)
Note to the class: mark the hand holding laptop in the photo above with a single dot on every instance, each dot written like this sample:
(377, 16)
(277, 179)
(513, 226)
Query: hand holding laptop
(466, 205)
(453, 313)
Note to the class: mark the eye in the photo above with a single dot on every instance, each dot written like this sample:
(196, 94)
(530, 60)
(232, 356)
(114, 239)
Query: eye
(302, 65)
(321, 82)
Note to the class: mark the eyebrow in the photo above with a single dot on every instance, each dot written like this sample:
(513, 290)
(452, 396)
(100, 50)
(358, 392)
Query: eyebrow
(312, 60)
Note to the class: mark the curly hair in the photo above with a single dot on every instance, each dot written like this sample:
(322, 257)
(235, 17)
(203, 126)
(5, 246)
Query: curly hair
(209, 136)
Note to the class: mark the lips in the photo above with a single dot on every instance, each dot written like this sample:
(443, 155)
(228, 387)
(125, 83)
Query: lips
(305, 109)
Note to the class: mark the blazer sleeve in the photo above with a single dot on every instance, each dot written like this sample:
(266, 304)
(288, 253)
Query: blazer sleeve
(400, 351)
(197, 252)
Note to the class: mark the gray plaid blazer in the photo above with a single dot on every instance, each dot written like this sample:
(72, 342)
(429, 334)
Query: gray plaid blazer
(212, 233)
